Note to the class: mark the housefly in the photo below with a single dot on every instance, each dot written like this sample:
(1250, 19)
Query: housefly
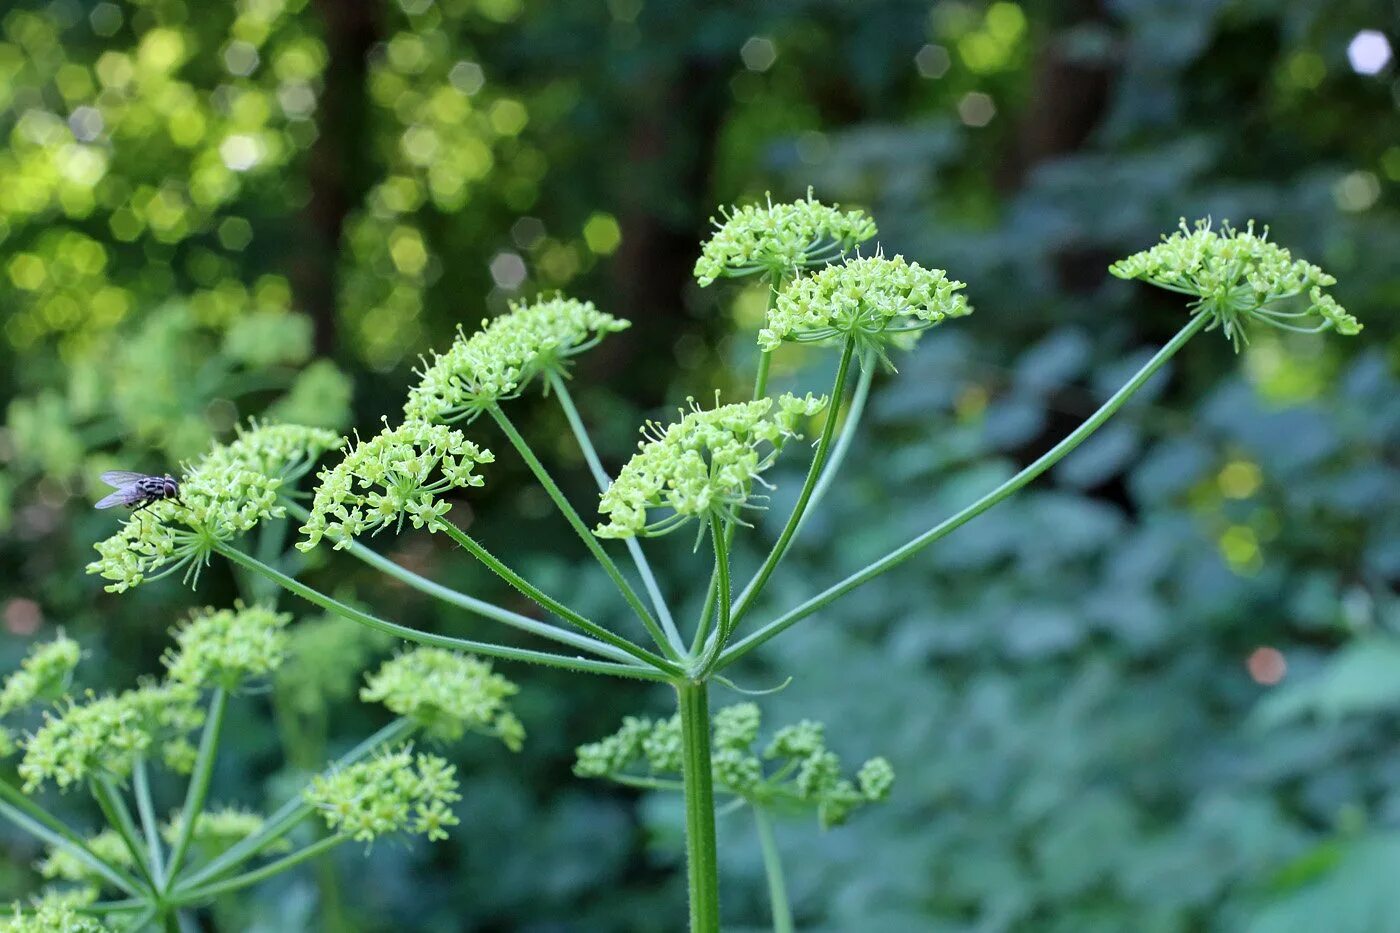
(137, 490)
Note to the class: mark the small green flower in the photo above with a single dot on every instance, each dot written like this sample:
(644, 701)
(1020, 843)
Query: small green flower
(447, 693)
(393, 792)
(103, 736)
(43, 676)
(1237, 276)
(51, 915)
(398, 474)
(701, 466)
(58, 864)
(880, 302)
(779, 239)
(216, 831)
(499, 361)
(227, 492)
(223, 647)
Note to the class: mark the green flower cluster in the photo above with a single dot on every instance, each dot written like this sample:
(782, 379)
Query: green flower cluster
(701, 466)
(779, 239)
(447, 693)
(103, 736)
(393, 792)
(1237, 276)
(399, 473)
(805, 773)
(498, 361)
(43, 675)
(51, 915)
(878, 301)
(58, 864)
(216, 831)
(223, 647)
(226, 493)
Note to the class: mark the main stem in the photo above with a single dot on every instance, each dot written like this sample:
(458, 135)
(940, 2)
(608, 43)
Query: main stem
(902, 553)
(702, 861)
(773, 868)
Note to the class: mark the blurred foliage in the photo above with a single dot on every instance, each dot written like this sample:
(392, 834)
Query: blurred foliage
(1069, 689)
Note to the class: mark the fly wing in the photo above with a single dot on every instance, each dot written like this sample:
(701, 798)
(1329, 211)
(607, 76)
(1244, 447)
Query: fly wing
(120, 478)
(125, 496)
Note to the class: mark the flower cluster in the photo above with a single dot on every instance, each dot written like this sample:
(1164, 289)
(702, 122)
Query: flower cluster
(399, 473)
(779, 239)
(397, 791)
(43, 675)
(498, 361)
(59, 864)
(1237, 276)
(804, 771)
(103, 736)
(51, 916)
(875, 300)
(701, 466)
(223, 647)
(227, 492)
(447, 693)
(216, 831)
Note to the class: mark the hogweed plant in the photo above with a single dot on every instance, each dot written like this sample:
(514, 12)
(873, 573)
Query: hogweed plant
(703, 473)
(142, 871)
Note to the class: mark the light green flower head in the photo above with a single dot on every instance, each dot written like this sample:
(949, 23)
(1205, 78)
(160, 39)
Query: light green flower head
(396, 791)
(447, 694)
(499, 361)
(803, 771)
(216, 831)
(701, 466)
(103, 736)
(398, 474)
(1237, 276)
(224, 647)
(227, 492)
(51, 916)
(59, 864)
(43, 676)
(779, 239)
(878, 301)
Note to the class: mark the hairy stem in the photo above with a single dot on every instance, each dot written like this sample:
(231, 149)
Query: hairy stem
(589, 540)
(528, 589)
(490, 649)
(702, 861)
(462, 600)
(900, 554)
(203, 773)
(634, 547)
(814, 472)
(773, 868)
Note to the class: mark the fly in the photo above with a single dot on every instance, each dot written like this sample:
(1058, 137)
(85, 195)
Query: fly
(137, 490)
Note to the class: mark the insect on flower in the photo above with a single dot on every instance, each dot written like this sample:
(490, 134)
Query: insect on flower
(137, 490)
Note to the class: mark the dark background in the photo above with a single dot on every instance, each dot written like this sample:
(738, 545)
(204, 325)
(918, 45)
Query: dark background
(1158, 692)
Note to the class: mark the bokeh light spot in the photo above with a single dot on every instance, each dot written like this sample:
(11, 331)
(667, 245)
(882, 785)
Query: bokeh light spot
(1266, 665)
(932, 61)
(758, 53)
(976, 109)
(602, 234)
(508, 271)
(1369, 52)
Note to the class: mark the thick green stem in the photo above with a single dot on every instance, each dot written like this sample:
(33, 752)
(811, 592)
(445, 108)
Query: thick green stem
(203, 773)
(702, 860)
(293, 811)
(146, 810)
(900, 554)
(773, 868)
(490, 649)
(634, 547)
(588, 538)
(814, 472)
(287, 862)
(528, 589)
(462, 600)
(39, 823)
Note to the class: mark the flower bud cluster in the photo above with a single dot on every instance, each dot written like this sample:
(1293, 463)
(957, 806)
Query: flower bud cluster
(447, 694)
(396, 791)
(398, 474)
(59, 864)
(43, 675)
(701, 466)
(1237, 275)
(226, 493)
(878, 301)
(803, 770)
(224, 647)
(216, 831)
(499, 361)
(779, 239)
(104, 735)
(51, 915)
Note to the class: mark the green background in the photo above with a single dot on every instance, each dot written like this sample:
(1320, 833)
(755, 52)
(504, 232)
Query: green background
(210, 211)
